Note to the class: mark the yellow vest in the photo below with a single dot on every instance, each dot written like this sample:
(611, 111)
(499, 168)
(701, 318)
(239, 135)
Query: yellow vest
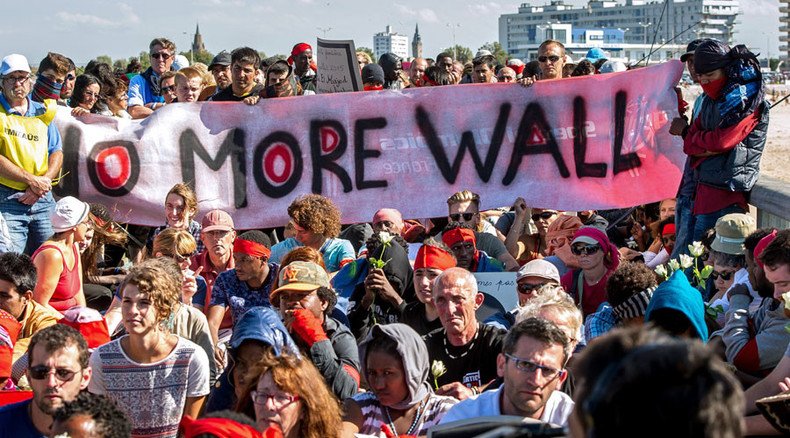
(25, 142)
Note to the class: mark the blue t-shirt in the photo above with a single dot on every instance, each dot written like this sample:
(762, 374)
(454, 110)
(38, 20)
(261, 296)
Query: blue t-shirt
(231, 292)
(16, 423)
(140, 92)
(336, 252)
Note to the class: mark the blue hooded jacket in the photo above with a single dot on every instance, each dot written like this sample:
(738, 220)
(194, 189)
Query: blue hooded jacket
(260, 324)
(677, 293)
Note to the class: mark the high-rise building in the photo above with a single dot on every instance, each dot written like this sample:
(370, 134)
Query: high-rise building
(197, 43)
(642, 24)
(784, 29)
(390, 42)
(416, 43)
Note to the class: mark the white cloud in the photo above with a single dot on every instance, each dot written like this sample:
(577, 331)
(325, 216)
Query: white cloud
(426, 14)
(131, 16)
(127, 16)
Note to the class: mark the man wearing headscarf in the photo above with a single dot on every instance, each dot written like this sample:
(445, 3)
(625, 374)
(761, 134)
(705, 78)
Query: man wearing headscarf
(304, 68)
(462, 242)
(726, 140)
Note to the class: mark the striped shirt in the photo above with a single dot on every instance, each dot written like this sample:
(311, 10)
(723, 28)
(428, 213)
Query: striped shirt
(153, 395)
(374, 416)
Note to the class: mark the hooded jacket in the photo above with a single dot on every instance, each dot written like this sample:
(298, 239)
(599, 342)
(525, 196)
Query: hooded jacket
(677, 294)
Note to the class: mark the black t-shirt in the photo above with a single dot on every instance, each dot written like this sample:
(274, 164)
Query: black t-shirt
(414, 316)
(227, 95)
(473, 364)
(490, 244)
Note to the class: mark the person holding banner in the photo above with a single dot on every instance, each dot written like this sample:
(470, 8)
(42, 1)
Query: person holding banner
(304, 68)
(145, 96)
(31, 157)
(87, 90)
(244, 69)
(551, 59)
(464, 207)
(180, 208)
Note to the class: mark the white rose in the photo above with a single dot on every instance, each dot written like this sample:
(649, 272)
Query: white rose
(385, 237)
(674, 265)
(661, 270)
(686, 261)
(696, 249)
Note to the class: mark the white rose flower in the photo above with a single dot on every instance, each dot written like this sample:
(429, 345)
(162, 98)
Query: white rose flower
(696, 249)
(674, 265)
(686, 261)
(661, 270)
(385, 237)
(438, 369)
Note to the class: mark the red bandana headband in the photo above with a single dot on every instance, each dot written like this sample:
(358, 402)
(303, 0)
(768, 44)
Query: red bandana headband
(220, 427)
(297, 50)
(668, 229)
(250, 248)
(456, 235)
(433, 257)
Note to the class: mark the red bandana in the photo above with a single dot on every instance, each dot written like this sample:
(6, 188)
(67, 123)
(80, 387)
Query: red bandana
(456, 235)
(432, 257)
(250, 248)
(219, 427)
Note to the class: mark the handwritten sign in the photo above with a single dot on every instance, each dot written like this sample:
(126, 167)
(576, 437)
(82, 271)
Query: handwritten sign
(338, 70)
(593, 142)
(501, 285)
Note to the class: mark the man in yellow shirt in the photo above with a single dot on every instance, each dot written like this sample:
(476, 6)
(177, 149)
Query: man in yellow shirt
(30, 157)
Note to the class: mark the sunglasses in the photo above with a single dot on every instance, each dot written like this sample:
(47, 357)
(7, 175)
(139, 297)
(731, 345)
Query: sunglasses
(585, 249)
(41, 372)
(546, 215)
(552, 58)
(169, 89)
(457, 216)
(726, 275)
(526, 288)
(161, 55)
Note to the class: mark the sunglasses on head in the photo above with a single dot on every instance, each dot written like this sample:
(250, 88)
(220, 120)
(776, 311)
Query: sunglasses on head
(161, 55)
(726, 275)
(546, 215)
(41, 372)
(585, 249)
(552, 58)
(467, 216)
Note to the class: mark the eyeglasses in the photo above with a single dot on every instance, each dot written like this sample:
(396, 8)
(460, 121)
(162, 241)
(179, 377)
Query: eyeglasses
(169, 89)
(526, 288)
(585, 249)
(467, 216)
(14, 79)
(41, 372)
(70, 77)
(161, 55)
(279, 400)
(545, 215)
(526, 366)
(725, 275)
(552, 58)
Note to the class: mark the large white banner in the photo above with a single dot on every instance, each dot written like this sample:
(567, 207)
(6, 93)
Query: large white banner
(581, 143)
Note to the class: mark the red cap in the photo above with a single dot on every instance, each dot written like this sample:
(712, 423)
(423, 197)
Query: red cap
(761, 245)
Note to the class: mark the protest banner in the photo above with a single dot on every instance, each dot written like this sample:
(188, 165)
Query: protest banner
(338, 70)
(500, 285)
(591, 142)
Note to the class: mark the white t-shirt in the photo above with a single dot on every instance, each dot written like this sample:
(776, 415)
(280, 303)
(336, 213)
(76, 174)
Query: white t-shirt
(558, 407)
(152, 395)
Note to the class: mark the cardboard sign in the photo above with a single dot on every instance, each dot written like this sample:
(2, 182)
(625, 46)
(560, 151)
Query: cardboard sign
(501, 285)
(338, 70)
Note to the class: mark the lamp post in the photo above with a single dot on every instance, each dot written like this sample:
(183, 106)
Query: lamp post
(644, 31)
(452, 27)
(324, 30)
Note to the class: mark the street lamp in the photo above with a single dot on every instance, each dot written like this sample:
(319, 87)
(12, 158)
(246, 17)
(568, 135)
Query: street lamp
(324, 30)
(644, 31)
(452, 27)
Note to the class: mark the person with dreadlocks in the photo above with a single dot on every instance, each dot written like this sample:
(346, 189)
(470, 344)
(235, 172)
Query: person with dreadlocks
(726, 140)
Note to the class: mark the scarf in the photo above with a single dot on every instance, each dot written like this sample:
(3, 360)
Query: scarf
(414, 356)
(46, 88)
(564, 226)
(153, 80)
(634, 306)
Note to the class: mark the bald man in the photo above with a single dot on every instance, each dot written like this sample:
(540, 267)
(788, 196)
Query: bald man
(389, 220)
(506, 74)
(417, 71)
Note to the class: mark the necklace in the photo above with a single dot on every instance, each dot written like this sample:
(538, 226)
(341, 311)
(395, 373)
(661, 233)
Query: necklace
(471, 346)
(413, 423)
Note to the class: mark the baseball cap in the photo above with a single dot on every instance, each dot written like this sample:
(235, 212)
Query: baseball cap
(539, 268)
(585, 239)
(222, 58)
(690, 49)
(300, 276)
(216, 220)
(731, 232)
(14, 62)
(372, 73)
(595, 54)
(69, 212)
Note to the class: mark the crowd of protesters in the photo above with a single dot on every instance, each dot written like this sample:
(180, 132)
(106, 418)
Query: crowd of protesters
(666, 319)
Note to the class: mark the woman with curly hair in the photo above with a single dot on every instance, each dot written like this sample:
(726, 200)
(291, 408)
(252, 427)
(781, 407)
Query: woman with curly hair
(316, 221)
(290, 395)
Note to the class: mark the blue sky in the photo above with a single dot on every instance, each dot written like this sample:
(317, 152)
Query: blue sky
(83, 29)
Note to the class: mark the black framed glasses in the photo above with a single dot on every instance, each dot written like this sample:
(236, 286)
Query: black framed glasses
(545, 215)
(724, 275)
(527, 366)
(40, 372)
(168, 89)
(467, 216)
(552, 58)
(585, 249)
